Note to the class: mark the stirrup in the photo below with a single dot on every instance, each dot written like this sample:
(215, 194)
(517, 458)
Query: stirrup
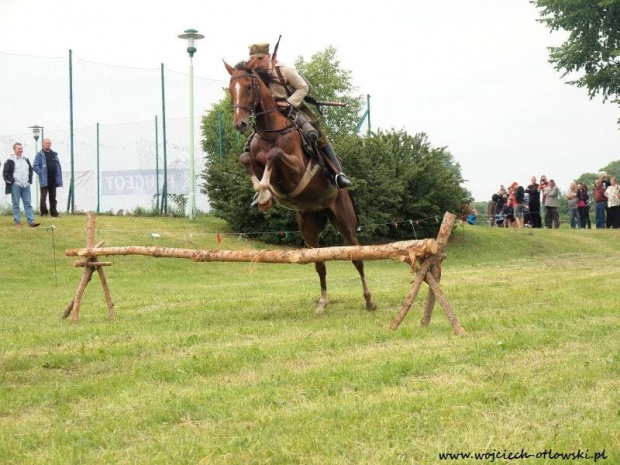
(254, 201)
(341, 180)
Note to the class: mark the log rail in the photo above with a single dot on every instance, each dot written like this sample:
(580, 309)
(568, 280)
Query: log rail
(424, 256)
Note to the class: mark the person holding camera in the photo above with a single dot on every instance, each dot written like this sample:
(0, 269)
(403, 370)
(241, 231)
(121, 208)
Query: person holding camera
(551, 195)
(583, 205)
(533, 190)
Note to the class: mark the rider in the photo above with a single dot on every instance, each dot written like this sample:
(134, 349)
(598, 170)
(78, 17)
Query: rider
(289, 88)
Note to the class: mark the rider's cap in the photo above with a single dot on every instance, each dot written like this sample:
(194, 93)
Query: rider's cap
(259, 50)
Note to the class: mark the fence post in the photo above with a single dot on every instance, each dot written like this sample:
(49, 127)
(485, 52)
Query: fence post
(164, 194)
(220, 133)
(156, 165)
(71, 198)
(98, 173)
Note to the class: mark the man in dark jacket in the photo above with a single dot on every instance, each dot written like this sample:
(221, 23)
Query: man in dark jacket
(47, 167)
(534, 203)
(17, 175)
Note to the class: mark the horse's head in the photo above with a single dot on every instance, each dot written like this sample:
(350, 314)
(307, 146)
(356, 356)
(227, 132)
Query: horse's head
(244, 90)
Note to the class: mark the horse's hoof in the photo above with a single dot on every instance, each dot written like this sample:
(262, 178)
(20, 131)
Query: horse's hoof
(320, 308)
(254, 201)
(372, 307)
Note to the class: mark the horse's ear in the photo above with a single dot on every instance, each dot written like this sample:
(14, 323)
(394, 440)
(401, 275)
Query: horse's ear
(252, 63)
(229, 68)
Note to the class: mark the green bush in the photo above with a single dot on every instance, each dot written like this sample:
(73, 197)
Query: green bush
(400, 186)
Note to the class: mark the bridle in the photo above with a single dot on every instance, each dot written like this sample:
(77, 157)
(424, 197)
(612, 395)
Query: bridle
(255, 93)
(255, 102)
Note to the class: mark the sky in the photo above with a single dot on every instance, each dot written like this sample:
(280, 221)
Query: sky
(473, 75)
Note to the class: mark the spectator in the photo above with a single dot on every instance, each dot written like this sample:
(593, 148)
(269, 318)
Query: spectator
(541, 188)
(519, 195)
(606, 182)
(471, 218)
(601, 204)
(534, 202)
(613, 204)
(551, 194)
(492, 209)
(583, 205)
(500, 214)
(509, 209)
(47, 167)
(573, 210)
(17, 175)
(604, 179)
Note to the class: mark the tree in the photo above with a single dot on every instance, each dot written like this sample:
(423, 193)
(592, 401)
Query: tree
(400, 182)
(593, 45)
(612, 169)
(330, 82)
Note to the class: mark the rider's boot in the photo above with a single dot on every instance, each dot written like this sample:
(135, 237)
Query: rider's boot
(340, 178)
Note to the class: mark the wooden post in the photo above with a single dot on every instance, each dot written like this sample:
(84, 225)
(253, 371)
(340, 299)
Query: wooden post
(430, 272)
(90, 265)
(429, 305)
(454, 321)
(413, 293)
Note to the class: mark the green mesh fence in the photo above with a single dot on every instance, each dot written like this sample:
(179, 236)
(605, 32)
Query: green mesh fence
(118, 138)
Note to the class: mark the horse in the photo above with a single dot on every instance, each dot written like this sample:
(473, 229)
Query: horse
(281, 172)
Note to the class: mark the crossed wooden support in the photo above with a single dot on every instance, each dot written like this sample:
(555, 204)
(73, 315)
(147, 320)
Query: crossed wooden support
(429, 270)
(424, 256)
(90, 264)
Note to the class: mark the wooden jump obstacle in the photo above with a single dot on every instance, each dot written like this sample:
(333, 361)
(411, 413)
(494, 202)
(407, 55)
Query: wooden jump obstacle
(424, 256)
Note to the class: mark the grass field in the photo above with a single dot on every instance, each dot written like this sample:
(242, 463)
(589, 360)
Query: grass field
(228, 363)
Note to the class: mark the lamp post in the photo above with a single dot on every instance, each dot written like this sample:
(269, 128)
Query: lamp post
(192, 36)
(36, 132)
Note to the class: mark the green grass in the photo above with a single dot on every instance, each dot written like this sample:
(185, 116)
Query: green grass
(228, 363)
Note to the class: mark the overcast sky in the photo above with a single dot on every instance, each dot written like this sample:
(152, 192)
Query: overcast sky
(473, 75)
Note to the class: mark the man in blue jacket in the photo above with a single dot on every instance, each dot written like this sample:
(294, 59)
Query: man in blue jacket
(47, 167)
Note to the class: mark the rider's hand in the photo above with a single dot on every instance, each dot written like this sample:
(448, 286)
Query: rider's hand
(283, 104)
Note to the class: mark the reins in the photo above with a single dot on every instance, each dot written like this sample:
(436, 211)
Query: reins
(256, 101)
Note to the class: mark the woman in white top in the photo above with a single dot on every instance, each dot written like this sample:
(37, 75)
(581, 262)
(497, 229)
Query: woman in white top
(613, 203)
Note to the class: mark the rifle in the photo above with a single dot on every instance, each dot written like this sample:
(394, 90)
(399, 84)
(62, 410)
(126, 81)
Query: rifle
(331, 104)
(275, 52)
(324, 103)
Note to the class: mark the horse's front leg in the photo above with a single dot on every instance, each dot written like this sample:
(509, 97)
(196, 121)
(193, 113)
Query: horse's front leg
(246, 160)
(265, 196)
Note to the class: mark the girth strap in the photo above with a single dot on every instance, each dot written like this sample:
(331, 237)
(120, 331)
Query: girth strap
(311, 170)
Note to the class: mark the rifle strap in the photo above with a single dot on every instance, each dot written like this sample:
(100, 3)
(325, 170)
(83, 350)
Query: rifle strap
(282, 80)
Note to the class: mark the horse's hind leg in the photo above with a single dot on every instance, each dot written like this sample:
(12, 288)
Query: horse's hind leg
(310, 225)
(344, 219)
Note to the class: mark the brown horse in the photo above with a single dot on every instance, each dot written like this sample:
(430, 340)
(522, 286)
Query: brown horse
(280, 171)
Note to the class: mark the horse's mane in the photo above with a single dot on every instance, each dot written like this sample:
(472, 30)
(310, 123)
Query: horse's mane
(264, 75)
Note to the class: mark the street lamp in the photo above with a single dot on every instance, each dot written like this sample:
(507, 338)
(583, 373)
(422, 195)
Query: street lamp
(192, 36)
(36, 132)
